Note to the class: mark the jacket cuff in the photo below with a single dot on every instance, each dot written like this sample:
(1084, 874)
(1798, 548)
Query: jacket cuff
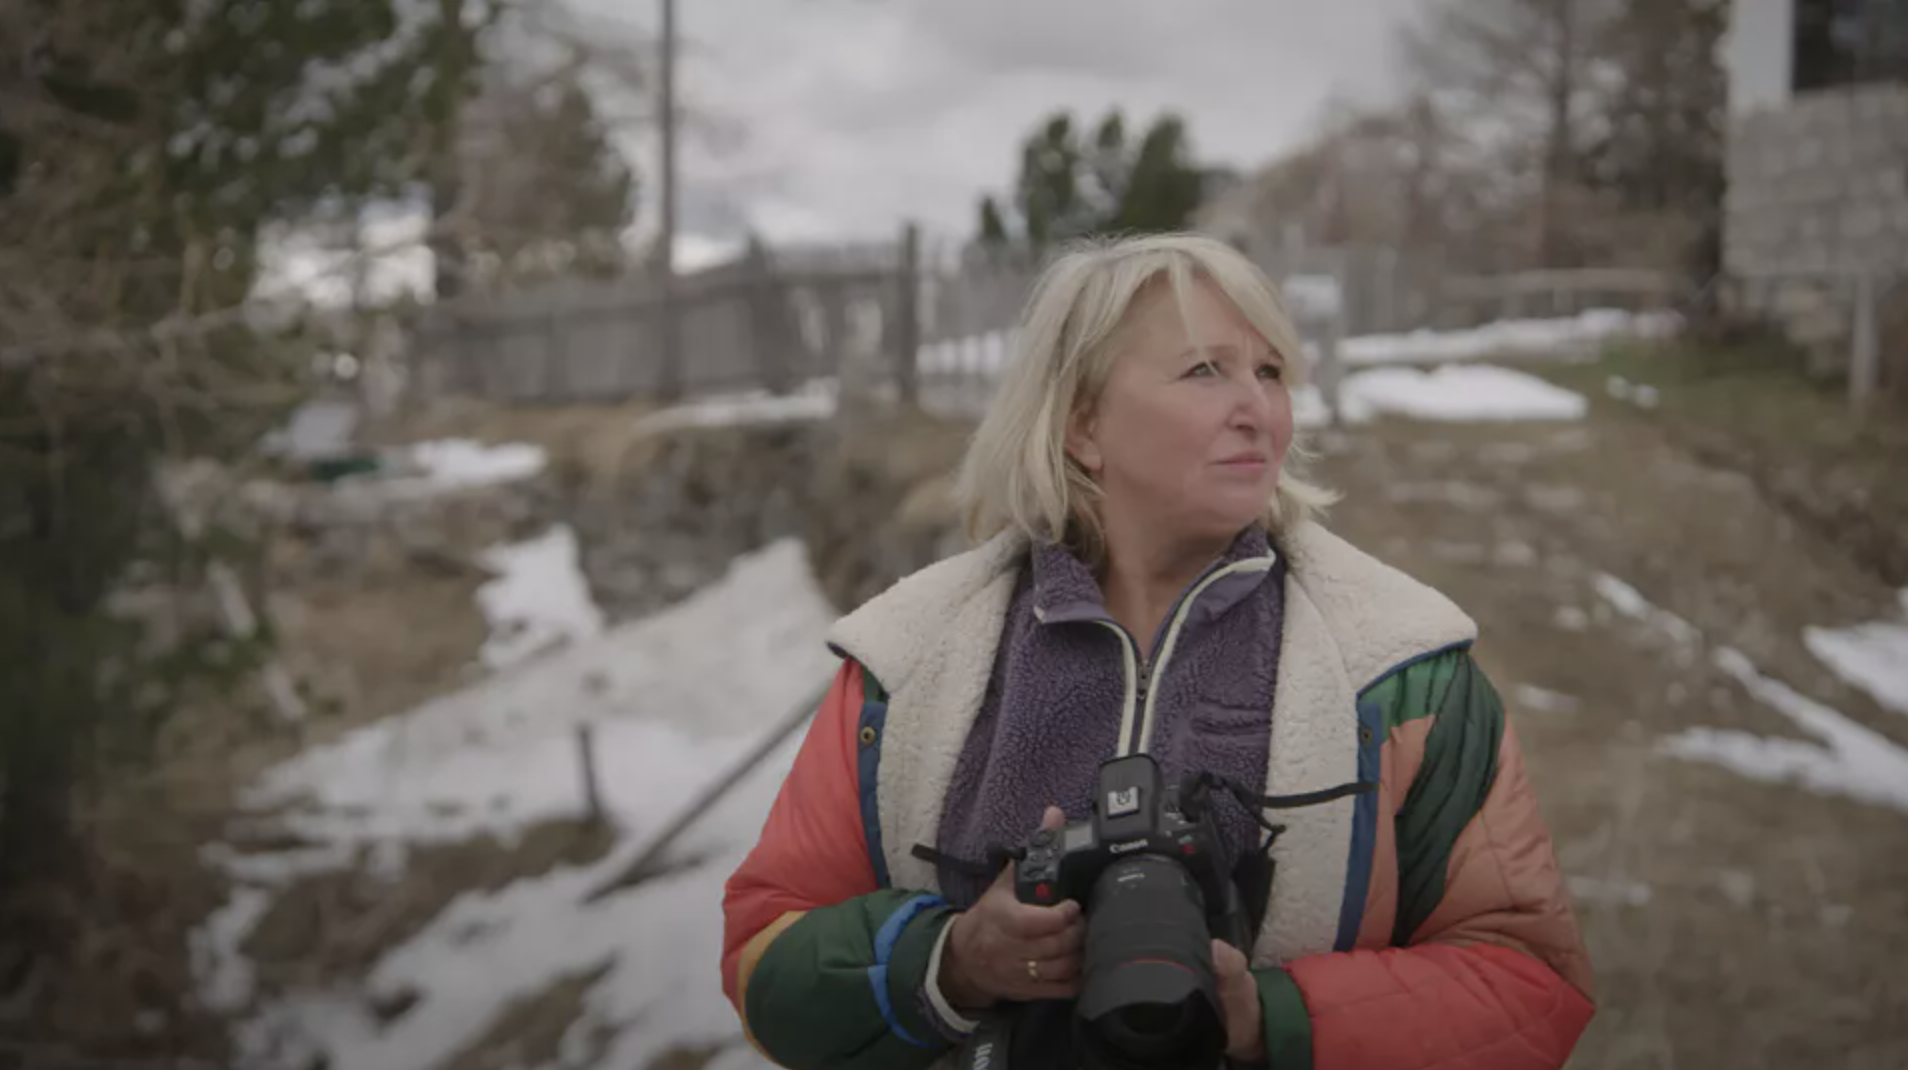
(1287, 1023)
(921, 1010)
(953, 1024)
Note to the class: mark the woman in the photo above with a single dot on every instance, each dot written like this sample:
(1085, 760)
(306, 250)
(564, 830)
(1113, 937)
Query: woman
(1153, 577)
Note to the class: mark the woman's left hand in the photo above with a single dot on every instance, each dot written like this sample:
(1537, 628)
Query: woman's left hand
(1239, 1002)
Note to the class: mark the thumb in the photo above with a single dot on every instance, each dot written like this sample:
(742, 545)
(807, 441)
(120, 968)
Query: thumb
(1227, 961)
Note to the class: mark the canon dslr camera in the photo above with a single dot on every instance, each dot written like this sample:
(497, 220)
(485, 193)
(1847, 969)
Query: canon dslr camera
(1153, 882)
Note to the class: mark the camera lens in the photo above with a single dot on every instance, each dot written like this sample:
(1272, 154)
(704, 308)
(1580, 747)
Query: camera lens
(1148, 996)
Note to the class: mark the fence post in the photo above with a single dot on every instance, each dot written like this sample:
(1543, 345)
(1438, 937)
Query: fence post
(1864, 360)
(669, 380)
(556, 360)
(1331, 365)
(907, 333)
(586, 761)
(763, 305)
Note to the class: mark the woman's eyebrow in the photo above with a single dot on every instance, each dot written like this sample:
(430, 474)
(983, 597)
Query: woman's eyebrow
(1223, 349)
(1228, 349)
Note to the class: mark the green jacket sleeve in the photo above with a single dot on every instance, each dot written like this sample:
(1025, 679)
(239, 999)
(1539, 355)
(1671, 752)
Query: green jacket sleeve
(845, 986)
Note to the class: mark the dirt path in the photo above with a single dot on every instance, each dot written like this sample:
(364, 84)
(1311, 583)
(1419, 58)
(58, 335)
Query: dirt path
(1733, 923)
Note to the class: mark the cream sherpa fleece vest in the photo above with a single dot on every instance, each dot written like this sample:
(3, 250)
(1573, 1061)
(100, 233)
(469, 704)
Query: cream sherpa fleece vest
(1349, 620)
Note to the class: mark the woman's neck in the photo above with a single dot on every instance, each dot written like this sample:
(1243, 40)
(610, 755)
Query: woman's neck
(1142, 578)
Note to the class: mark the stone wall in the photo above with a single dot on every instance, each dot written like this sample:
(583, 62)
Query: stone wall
(1818, 189)
(657, 517)
(367, 529)
(667, 518)
(1820, 185)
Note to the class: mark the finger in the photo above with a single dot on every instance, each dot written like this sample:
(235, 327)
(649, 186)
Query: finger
(1053, 819)
(1003, 882)
(1061, 969)
(1065, 943)
(1043, 989)
(1227, 961)
(1026, 921)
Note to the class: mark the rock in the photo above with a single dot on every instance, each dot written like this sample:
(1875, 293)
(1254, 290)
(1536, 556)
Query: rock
(388, 1007)
(872, 504)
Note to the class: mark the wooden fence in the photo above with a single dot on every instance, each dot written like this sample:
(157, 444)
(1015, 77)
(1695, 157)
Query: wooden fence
(1851, 321)
(895, 320)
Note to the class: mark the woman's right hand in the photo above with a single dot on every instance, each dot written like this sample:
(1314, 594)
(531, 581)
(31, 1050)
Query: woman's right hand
(991, 944)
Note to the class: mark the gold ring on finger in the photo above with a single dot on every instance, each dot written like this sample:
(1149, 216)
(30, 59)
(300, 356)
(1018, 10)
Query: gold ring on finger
(1033, 970)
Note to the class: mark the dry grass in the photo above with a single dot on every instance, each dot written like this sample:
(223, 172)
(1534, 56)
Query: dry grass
(374, 649)
(112, 979)
(592, 444)
(1752, 409)
(1731, 923)
(530, 1031)
(360, 648)
(685, 1058)
(333, 927)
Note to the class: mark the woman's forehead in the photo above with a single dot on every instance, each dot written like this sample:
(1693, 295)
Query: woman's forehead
(1205, 317)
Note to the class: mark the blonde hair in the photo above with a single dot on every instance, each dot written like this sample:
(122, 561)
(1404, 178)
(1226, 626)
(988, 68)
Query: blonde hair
(1017, 473)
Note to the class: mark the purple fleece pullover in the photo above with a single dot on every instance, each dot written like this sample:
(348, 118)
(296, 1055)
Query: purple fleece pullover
(1051, 714)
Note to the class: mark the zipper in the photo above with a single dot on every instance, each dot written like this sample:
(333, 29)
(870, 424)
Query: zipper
(1135, 679)
(1142, 738)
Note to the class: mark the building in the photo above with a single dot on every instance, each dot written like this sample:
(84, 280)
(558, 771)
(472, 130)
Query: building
(1817, 208)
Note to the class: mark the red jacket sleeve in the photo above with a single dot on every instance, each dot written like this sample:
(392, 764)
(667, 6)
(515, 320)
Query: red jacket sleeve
(813, 851)
(1495, 979)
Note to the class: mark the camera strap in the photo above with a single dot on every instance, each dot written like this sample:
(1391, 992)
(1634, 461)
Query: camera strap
(986, 870)
(1256, 804)
(1253, 874)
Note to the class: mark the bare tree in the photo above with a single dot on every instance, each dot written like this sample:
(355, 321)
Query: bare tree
(1522, 72)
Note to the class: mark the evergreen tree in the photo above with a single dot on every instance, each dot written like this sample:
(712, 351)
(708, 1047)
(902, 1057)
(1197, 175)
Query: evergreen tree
(143, 149)
(550, 191)
(1070, 186)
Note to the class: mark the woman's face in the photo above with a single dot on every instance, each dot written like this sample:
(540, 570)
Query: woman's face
(1194, 422)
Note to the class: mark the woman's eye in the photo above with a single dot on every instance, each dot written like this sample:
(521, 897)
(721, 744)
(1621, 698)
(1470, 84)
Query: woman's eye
(1202, 369)
(1271, 371)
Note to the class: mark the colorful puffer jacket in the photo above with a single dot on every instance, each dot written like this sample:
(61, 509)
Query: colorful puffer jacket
(1422, 925)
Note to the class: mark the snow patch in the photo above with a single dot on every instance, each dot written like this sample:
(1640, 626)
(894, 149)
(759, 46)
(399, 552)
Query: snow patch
(1641, 395)
(539, 600)
(459, 463)
(1841, 757)
(986, 355)
(1579, 335)
(1544, 700)
(1609, 891)
(1873, 657)
(1630, 603)
(814, 400)
(1848, 759)
(1461, 393)
(673, 701)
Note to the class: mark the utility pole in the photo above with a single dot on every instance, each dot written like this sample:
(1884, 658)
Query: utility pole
(669, 337)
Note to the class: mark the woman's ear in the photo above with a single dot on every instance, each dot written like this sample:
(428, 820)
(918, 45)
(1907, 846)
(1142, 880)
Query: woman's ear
(1081, 445)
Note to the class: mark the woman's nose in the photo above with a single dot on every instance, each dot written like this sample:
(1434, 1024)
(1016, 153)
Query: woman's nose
(1253, 409)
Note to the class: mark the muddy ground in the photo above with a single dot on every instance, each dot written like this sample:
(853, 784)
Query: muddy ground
(1732, 923)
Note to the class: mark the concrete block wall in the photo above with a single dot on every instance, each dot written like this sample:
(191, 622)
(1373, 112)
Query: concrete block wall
(1821, 185)
(1818, 191)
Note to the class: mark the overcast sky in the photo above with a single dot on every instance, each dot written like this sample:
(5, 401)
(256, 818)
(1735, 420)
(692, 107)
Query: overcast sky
(840, 118)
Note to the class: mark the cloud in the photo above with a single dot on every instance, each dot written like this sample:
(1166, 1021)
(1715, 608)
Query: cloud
(857, 114)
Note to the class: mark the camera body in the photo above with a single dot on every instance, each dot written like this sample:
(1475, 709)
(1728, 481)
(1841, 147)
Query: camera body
(1150, 872)
(1155, 881)
(1135, 815)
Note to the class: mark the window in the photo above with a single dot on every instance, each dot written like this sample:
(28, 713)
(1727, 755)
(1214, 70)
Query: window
(1850, 42)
